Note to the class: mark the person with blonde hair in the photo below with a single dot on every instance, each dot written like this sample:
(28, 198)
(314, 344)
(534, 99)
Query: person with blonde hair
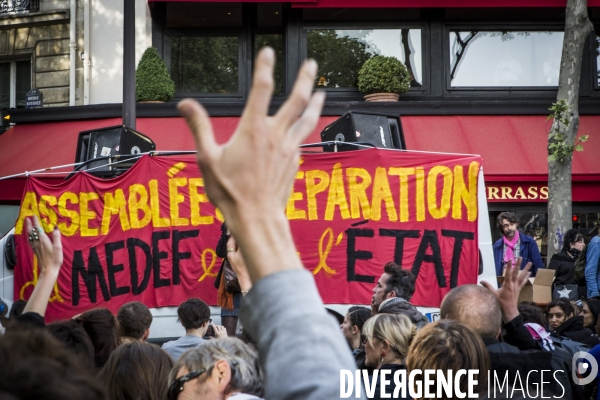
(387, 340)
(449, 345)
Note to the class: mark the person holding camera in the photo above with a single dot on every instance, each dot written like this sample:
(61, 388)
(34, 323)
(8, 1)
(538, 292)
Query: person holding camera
(194, 315)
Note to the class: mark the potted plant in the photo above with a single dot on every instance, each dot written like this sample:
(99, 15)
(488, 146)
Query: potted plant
(383, 79)
(152, 80)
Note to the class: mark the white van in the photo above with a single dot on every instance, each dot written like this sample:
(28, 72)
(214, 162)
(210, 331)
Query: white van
(164, 324)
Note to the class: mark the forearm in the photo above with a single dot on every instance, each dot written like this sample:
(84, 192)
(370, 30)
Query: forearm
(295, 338)
(38, 302)
(509, 313)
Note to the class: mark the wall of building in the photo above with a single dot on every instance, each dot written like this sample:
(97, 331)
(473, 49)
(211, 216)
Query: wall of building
(106, 42)
(44, 38)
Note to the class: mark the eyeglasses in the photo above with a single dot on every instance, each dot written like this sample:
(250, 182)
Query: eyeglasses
(177, 386)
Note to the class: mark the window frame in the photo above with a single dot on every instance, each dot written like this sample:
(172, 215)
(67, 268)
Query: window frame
(13, 76)
(493, 26)
(12, 101)
(595, 59)
(340, 94)
(210, 32)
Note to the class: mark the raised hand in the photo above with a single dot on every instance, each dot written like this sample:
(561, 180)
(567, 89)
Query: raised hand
(50, 258)
(48, 252)
(508, 294)
(250, 177)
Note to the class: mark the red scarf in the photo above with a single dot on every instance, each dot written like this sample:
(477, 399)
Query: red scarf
(510, 247)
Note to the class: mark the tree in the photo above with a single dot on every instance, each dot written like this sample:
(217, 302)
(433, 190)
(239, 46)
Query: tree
(562, 137)
(152, 80)
(205, 64)
(339, 58)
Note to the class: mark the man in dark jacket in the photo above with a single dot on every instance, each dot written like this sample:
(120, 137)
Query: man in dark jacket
(514, 244)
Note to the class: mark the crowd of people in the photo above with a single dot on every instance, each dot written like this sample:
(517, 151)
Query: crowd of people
(290, 347)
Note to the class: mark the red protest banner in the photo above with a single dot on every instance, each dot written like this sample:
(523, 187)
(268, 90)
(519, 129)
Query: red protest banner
(150, 234)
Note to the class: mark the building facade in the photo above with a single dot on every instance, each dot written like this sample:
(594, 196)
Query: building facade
(483, 79)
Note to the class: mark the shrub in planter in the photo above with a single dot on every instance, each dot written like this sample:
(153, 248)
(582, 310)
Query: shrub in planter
(152, 80)
(381, 74)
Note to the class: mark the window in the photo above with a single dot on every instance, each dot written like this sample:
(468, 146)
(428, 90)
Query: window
(341, 53)
(504, 58)
(205, 64)
(269, 32)
(204, 48)
(15, 82)
(598, 60)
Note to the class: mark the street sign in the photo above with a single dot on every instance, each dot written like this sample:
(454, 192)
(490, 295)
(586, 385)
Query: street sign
(34, 98)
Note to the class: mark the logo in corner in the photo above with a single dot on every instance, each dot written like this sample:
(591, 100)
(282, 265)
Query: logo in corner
(584, 368)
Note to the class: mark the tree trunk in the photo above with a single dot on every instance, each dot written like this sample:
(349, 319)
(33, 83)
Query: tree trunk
(577, 29)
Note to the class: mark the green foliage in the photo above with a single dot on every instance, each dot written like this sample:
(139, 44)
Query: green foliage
(205, 64)
(382, 74)
(339, 58)
(275, 41)
(152, 80)
(558, 148)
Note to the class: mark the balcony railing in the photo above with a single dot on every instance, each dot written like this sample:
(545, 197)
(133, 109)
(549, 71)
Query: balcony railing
(19, 6)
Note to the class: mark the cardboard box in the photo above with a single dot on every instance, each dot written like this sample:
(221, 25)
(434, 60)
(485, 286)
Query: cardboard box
(537, 289)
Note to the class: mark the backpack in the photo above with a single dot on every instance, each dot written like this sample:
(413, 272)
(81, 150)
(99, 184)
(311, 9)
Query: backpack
(570, 345)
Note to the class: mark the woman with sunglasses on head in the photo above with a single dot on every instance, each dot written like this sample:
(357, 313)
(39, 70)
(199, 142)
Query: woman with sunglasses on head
(387, 339)
(225, 368)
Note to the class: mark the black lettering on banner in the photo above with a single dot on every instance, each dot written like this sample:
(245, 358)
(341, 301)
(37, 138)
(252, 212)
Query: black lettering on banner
(354, 254)
(158, 255)
(93, 276)
(177, 256)
(132, 243)
(113, 268)
(459, 237)
(430, 239)
(400, 235)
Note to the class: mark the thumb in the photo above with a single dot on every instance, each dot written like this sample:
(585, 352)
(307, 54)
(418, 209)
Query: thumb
(489, 287)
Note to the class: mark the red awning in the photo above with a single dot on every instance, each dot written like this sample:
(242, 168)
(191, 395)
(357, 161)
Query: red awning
(31, 147)
(513, 147)
(513, 150)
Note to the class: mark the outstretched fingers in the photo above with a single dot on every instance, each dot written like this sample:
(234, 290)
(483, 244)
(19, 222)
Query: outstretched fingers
(524, 274)
(257, 106)
(199, 122)
(300, 97)
(303, 127)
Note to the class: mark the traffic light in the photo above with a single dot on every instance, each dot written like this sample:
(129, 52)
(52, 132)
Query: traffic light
(575, 221)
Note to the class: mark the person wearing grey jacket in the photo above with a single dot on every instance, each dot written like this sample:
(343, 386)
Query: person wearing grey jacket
(249, 178)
